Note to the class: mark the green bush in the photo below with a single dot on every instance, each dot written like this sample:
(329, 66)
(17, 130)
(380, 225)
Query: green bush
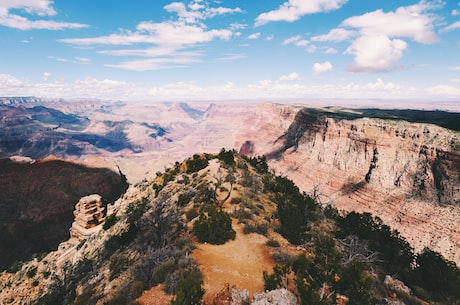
(31, 272)
(196, 163)
(109, 222)
(189, 290)
(214, 228)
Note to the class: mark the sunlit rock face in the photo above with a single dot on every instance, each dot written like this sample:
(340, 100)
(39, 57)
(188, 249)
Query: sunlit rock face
(89, 216)
(406, 173)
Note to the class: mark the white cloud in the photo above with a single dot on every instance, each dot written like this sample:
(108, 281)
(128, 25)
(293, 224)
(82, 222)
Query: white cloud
(319, 68)
(238, 26)
(454, 80)
(107, 89)
(311, 49)
(380, 45)
(376, 53)
(455, 12)
(335, 35)
(231, 57)
(294, 76)
(171, 43)
(330, 51)
(270, 37)
(410, 21)
(455, 68)
(453, 26)
(293, 10)
(296, 40)
(254, 36)
(46, 76)
(198, 11)
(32, 7)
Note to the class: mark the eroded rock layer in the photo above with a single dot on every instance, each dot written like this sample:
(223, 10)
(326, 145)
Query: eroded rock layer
(406, 173)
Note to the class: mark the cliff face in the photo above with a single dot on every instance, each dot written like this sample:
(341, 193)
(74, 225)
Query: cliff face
(38, 199)
(406, 173)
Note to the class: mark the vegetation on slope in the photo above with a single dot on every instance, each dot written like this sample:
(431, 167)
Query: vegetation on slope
(321, 255)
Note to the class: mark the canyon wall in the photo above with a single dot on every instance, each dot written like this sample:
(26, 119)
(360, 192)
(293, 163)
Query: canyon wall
(38, 199)
(406, 173)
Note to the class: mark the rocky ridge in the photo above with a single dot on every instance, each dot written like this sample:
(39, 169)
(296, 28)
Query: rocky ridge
(150, 243)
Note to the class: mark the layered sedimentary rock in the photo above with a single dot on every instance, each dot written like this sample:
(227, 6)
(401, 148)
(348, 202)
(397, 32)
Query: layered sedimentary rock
(406, 173)
(89, 216)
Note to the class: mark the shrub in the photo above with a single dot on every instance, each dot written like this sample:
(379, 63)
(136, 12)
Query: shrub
(189, 290)
(196, 163)
(31, 272)
(215, 228)
(228, 157)
(118, 264)
(160, 272)
(191, 214)
(273, 243)
(109, 222)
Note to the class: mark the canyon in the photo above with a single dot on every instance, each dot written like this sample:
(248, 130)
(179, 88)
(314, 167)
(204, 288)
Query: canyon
(400, 165)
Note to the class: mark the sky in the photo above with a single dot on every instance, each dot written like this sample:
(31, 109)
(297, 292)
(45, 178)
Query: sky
(231, 50)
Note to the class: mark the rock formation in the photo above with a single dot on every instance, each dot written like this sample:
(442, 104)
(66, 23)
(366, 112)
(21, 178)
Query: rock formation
(405, 173)
(275, 297)
(89, 216)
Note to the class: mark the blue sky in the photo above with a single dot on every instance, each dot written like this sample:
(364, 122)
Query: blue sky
(225, 50)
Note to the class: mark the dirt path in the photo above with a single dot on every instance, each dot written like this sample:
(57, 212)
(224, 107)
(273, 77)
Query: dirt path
(239, 262)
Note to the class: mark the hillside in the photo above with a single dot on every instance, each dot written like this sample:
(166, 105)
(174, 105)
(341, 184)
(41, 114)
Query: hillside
(218, 224)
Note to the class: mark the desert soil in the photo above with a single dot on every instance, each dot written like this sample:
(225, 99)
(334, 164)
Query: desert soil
(238, 262)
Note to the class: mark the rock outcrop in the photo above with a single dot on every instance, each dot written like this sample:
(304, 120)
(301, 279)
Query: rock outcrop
(89, 216)
(405, 173)
(275, 297)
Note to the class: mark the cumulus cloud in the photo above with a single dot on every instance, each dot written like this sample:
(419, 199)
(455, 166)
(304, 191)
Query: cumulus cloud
(293, 10)
(42, 8)
(330, 51)
(380, 44)
(294, 76)
(376, 53)
(412, 22)
(254, 36)
(336, 35)
(319, 68)
(171, 43)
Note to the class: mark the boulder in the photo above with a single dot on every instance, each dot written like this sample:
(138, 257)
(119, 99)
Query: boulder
(275, 297)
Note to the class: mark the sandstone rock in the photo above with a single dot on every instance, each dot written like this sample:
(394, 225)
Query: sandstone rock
(89, 215)
(405, 173)
(275, 297)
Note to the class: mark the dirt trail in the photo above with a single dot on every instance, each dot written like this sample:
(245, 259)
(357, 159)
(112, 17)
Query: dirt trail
(239, 262)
